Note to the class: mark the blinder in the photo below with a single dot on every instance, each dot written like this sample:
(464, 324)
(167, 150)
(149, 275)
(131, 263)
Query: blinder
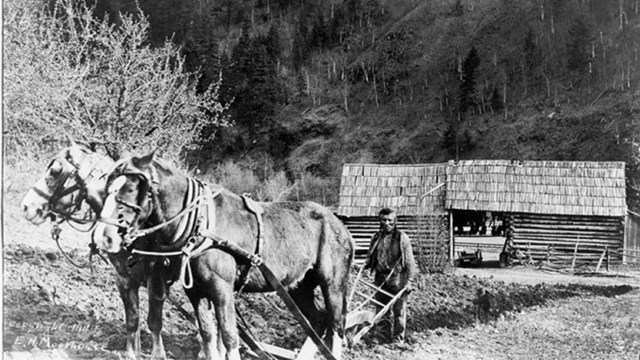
(69, 170)
(127, 229)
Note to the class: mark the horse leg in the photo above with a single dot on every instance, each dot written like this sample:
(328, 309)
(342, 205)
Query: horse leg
(128, 290)
(208, 326)
(304, 296)
(334, 281)
(158, 292)
(335, 302)
(224, 303)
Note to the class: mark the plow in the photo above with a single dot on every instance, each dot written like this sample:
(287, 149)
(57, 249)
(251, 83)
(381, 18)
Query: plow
(364, 312)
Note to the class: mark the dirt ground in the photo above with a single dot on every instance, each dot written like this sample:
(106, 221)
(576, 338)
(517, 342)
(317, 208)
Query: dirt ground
(53, 310)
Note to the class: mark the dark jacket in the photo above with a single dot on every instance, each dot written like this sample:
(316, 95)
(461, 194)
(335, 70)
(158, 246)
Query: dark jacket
(401, 254)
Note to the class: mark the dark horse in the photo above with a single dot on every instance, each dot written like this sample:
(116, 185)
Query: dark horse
(75, 176)
(304, 245)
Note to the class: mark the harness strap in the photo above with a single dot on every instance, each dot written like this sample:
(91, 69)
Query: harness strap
(273, 281)
(145, 232)
(197, 245)
(244, 330)
(188, 221)
(252, 208)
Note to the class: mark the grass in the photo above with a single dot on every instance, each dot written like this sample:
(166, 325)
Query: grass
(587, 327)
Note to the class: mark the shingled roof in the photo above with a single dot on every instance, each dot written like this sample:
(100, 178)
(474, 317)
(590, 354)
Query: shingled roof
(541, 187)
(366, 188)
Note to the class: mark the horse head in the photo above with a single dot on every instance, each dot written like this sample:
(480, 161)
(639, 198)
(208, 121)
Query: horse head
(131, 195)
(72, 177)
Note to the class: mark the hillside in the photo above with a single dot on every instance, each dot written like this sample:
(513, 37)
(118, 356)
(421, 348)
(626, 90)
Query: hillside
(316, 84)
(430, 81)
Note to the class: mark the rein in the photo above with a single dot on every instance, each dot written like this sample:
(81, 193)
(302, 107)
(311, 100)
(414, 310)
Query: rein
(192, 248)
(71, 170)
(193, 205)
(55, 235)
(195, 233)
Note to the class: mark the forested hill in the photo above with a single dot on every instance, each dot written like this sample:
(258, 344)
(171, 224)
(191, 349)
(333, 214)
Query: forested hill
(316, 84)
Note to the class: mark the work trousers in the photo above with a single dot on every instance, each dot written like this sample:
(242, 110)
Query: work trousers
(396, 317)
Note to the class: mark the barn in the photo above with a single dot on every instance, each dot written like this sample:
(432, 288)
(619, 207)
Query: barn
(554, 208)
(561, 208)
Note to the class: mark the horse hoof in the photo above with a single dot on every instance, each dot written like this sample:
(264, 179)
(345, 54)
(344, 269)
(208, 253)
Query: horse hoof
(159, 356)
(201, 355)
(131, 356)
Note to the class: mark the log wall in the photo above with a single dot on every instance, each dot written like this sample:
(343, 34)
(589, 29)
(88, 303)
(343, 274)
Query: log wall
(632, 239)
(557, 235)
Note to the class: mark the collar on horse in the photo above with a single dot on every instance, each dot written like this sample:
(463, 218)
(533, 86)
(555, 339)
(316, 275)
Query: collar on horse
(196, 232)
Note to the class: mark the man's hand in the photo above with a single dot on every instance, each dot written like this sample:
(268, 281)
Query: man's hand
(409, 287)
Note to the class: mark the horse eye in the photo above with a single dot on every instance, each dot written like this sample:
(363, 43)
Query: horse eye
(55, 170)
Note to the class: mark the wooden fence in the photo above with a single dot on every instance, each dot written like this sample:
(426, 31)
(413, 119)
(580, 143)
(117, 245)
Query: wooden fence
(571, 239)
(631, 252)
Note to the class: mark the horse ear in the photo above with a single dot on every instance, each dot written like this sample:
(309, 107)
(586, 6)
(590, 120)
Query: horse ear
(69, 140)
(124, 154)
(146, 159)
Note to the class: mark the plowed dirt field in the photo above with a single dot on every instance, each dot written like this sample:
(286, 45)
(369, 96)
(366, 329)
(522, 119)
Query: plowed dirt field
(53, 310)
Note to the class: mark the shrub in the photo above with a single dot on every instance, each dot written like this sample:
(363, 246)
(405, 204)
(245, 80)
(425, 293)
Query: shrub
(67, 72)
(275, 188)
(235, 178)
(313, 188)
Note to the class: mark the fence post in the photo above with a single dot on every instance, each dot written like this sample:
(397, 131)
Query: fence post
(575, 255)
(452, 243)
(601, 258)
(548, 258)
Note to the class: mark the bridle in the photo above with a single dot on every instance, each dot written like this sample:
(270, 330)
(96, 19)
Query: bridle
(187, 240)
(132, 230)
(128, 228)
(70, 171)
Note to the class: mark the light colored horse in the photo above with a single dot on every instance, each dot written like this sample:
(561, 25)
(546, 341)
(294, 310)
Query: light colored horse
(75, 176)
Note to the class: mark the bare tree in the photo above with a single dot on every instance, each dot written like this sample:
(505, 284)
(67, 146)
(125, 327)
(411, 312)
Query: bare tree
(69, 73)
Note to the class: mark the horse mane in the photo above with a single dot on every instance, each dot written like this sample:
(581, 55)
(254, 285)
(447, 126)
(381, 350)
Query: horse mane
(164, 166)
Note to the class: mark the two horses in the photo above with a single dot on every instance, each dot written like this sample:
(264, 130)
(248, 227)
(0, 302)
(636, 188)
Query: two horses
(152, 207)
(77, 175)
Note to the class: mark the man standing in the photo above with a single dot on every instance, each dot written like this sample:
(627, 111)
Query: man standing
(391, 258)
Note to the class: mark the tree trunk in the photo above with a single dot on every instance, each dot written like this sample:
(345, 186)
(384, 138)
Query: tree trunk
(622, 14)
(375, 90)
(345, 94)
(504, 100)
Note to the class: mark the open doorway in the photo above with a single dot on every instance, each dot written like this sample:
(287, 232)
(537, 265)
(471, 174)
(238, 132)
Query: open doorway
(478, 237)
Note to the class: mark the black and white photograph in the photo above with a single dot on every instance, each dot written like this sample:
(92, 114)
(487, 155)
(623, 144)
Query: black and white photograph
(335, 180)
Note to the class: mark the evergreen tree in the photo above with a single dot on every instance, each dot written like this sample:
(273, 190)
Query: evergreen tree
(496, 100)
(300, 48)
(337, 27)
(529, 52)
(319, 32)
(273, 42)
(458, 9)
(256, 89)
(579, 45)
(353, 9)
(468, 83)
